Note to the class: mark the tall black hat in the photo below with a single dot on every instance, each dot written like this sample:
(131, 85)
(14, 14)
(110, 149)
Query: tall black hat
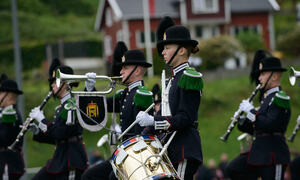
(271, 64)
(119, 52)
(10, 86)
(135, 57)
(258, 57)
(169, 33)
(156, 93)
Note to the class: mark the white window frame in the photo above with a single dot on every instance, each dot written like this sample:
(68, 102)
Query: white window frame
(108, 17)
(119, 35)
(139, 42)
(240, 27)
(200, 7)
(107, 45)
(208, 31)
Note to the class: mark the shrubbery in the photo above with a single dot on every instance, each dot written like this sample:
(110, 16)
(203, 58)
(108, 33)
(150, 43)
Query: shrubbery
(34, 54)
(216, 50)
(289, 43)
(251, 41)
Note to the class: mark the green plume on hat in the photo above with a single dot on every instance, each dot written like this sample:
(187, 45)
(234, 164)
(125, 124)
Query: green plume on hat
(191, 79)
(143, 98)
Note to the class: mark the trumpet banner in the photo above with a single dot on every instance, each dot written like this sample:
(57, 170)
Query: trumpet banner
(91, 111)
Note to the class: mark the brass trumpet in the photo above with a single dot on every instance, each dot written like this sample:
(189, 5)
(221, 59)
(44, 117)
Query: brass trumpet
(294, 75)
(69, 78)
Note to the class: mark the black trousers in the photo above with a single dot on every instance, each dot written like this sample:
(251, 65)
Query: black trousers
(238, 169)
(295, 168)
(187, 169)
(12, 176)
(101, 171)
(69, 175)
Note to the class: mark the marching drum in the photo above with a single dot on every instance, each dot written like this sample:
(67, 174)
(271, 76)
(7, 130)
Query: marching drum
(135, 159)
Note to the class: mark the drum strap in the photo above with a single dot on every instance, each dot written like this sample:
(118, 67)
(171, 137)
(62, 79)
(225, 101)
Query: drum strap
(181, 168)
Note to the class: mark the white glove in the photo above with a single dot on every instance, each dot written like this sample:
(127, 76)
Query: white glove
(144, 119)
(246, 106)
(37, 114)
(162, 125)
(298, 119)
(90, 82)
(33, 128)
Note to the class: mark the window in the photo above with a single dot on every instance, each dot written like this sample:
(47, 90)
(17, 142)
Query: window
(199, 31)
(140, 37)
(206, 32)
(257, 29)
(107, 45)
(108, 18)
(205, 6)
(119, 35)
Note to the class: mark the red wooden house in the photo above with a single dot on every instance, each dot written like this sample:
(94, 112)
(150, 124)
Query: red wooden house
(123, 19)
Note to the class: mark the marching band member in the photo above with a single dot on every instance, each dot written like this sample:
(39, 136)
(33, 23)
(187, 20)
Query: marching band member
(11, 163)
(69, 160)
(239, 163)
(134, 67)
(269, 154)
(185, 152)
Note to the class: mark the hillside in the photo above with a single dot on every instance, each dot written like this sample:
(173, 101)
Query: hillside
(49, 20)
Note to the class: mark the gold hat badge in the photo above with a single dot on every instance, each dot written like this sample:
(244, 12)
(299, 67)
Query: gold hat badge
(260, 66)
(165, 36)
(123, 59)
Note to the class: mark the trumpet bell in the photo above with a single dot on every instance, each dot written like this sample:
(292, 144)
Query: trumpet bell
(293, 75)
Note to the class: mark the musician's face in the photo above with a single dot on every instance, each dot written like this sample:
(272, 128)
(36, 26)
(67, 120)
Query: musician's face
(168, 52)
(57, 91)
(263, 78)
(125, 71)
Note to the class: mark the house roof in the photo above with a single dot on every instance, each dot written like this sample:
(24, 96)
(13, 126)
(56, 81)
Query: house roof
(242, 6)
(133, 9)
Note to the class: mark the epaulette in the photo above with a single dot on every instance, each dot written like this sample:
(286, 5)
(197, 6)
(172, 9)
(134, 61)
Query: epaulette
(191, 79)
(119, 93)
(9, 116)
(70, 105)
(282, 100)
(143, 98)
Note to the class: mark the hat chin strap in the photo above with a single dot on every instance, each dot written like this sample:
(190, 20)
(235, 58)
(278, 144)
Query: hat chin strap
(3, 98)
(175, 53)
(264, 88)
(59, 89)
(130, 74)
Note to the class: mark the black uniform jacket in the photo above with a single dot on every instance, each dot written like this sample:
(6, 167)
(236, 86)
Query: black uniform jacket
(70, 151)
(8, 134)
(269, 146)
(184, 105)
(127, 109)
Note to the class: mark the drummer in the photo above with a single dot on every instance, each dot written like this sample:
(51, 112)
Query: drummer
(134, 67)
(185, 91)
